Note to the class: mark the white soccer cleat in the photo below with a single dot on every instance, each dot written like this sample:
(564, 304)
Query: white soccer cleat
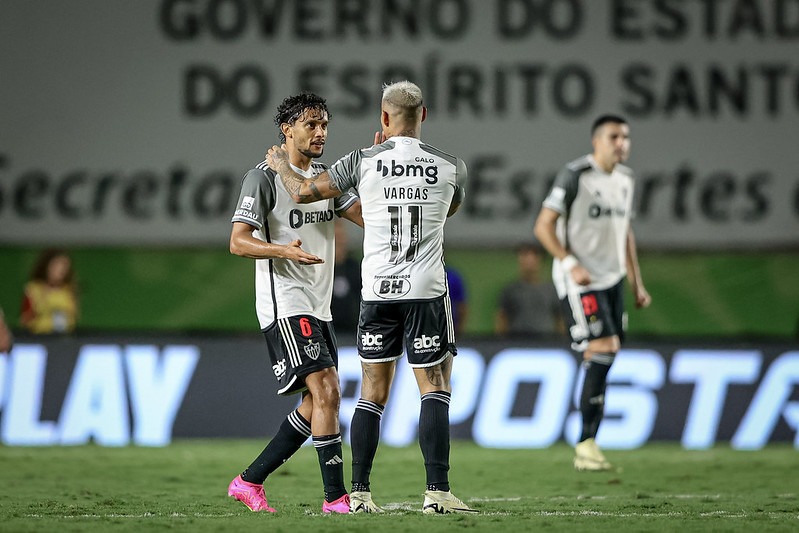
(588, 457)
(361, 502)
(441, 502)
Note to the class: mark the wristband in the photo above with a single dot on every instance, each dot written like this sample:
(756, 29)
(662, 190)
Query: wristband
(568, 263)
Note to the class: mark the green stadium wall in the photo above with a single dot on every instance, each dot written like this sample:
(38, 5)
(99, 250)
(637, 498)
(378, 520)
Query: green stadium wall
(168, 290)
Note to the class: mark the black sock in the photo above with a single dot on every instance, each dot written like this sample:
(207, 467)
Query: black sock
(292, 433)
(592, 400)
(364, 437)
(328, 448)
(434, 438)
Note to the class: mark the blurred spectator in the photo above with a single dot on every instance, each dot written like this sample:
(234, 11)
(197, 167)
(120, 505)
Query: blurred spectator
(346, 302)
(50, 303)
(458, 299)
(6, 339)
(527, 306)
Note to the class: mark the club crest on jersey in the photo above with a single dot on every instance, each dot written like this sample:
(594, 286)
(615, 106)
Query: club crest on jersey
(313, 349)
(390, 289)
(595, 327)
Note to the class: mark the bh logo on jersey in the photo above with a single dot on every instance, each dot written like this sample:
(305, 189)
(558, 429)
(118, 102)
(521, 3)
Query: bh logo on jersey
(371, 341)
(426, 344)
(391, 289)
(392, 168)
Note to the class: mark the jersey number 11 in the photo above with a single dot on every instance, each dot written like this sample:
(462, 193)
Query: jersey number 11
(398, 255)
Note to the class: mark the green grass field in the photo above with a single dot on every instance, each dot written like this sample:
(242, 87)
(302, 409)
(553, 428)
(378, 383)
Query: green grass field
(182, 487)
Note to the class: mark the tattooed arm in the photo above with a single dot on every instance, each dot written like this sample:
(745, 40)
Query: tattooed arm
(302, 190)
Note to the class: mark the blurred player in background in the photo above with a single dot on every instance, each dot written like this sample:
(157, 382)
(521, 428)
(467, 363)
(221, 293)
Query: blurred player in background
(528, 307)
(293, 247)
(407, 189)
(585, 225)
(346, 302)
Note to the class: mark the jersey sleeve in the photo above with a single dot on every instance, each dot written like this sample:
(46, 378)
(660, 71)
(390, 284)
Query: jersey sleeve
(563, 191)
(257, 197)
(460, 181)
(345, 201)
(345, 172)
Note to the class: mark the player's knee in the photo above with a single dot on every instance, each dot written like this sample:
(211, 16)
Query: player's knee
(375, 392)
(324, 388)
(603, 345)
(328, 398)
(433, 379)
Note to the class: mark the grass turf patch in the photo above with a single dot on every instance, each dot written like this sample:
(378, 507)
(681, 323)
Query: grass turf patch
(182, 487)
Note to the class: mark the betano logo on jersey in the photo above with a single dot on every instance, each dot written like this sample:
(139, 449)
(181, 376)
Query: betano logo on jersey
(392, 168)
(298, 217)
(391, 289)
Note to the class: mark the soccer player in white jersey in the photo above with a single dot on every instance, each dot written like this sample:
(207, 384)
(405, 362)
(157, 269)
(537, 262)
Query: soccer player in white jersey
(585, 224)
(293, 247)
(407, 189)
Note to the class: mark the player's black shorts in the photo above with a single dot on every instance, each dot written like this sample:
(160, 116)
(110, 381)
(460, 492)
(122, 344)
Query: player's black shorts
(425, 326)
(298, 346)
(595, 314)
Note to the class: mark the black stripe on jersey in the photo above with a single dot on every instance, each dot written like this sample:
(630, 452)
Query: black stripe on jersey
(271, 269)
(575, 169)
(318, 168)
(348, 199)
(435, 151)
(377, 149)
(579, 165)
(267, 234)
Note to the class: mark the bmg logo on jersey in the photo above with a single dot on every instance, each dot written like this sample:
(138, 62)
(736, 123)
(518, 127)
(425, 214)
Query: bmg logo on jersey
(298, 217)
(427, 344)
(392, 168)
(390, 289)
(371, 342)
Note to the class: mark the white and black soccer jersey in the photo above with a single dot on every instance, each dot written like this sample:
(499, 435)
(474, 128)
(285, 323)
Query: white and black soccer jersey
(406, 188)
(284, 288)
(595, 209)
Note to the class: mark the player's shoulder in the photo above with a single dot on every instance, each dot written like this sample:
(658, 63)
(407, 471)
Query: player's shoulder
(259, 175)
(429, 148)
(317, 167)
(376, 150)
(264, 168)
(579, 165)
(624, 170)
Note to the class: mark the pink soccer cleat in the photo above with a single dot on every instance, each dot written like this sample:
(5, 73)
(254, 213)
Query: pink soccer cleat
(249, 494)
(342, 505)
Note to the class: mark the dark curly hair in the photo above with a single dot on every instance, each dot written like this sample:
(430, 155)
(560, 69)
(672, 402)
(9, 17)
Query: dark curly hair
(39, 272)
(293, 107)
